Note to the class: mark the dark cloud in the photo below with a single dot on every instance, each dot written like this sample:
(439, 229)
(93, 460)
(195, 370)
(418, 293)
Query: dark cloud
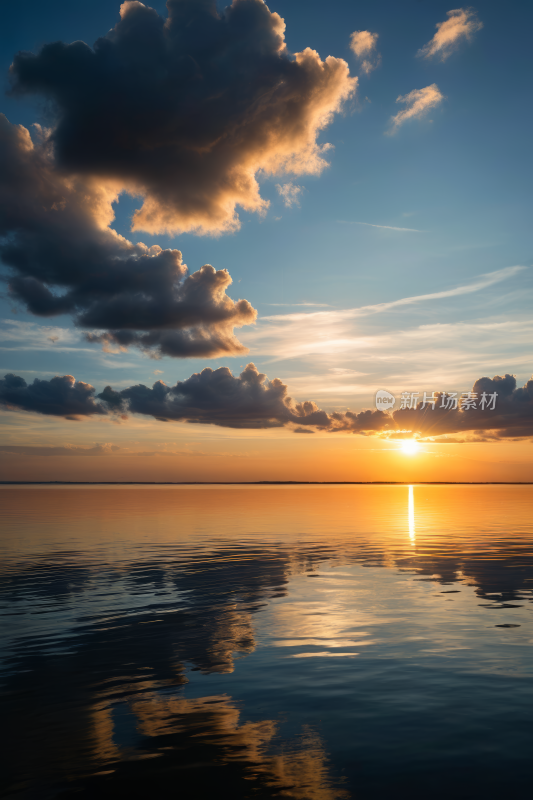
(361, 422)
(210, 397)
(58, 397)
(512, 415)
(251, 400)
(186, 110)
(219, 398)
(55, 236)
(182, 112)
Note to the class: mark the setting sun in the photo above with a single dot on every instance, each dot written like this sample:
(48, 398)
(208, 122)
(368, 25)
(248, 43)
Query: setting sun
(410, 447)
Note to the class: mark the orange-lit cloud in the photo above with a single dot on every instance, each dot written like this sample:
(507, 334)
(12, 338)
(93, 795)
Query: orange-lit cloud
(202, 102)
(510, 415)
(461, 24)
(290, 194)
(364, 46)
(418, 103)
(191, 127)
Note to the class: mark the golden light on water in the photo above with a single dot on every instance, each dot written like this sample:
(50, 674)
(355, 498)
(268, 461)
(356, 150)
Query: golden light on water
(410, 447)
(411, 515)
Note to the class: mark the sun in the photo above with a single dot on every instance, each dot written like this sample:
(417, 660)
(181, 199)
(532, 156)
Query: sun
(410, 447)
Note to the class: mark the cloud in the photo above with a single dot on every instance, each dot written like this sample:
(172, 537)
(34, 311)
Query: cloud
(482, 282)
(425, 357)
(292, 305)
(185, 111)
(512, 415)
(418, 102)
(252, 401)
(25, 335)
(58, 397)
(364, 46)
(371, 225)
(403, 343)
(461, 24)
(201, 102)
(217, 397)
(210, 397)
(290, 193)
(362, 422)
(65, 259)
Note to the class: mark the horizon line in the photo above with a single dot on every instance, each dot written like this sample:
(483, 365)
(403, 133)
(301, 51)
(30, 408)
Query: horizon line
(268, 483)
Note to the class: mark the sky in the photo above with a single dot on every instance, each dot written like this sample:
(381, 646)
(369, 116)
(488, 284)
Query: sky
(232, 226)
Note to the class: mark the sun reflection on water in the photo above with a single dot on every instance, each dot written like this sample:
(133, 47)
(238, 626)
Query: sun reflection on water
(411, 516)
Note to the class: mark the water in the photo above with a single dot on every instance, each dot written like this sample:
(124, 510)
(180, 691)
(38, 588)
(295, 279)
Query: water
(311, 642)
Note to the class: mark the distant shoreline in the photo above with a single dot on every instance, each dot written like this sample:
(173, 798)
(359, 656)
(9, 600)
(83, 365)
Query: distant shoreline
(266, 483)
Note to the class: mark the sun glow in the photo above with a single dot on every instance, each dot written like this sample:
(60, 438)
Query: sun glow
(410, 447)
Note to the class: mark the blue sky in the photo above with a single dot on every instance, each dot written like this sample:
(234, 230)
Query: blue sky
(459, 178)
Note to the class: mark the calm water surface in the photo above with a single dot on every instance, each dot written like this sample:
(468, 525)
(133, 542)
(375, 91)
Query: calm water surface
(254, 642)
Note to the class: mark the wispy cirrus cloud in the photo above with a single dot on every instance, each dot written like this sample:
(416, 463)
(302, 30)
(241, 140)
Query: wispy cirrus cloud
(410, 357)
(373, 225)
(292, 305)
(334, 354)
(24, 335)
(461, 24)
(483, 282)
(489, 279)
(418, 103)
(364, 46)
